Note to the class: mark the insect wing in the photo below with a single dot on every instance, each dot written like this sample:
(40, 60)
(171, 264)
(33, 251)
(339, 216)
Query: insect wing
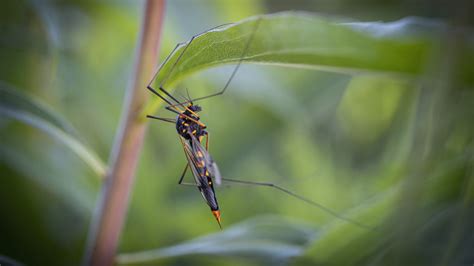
(198, 168)
(211, 166)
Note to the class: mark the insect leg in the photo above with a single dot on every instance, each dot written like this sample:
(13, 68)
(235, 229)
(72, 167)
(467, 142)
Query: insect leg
(182, 53)
(149, 87)
(207, 141)
(162, 64)
(313, 203)
(244, 52)
(174, 109)
(180, 182)
(171, 105)
(169, 120)
(183, 174)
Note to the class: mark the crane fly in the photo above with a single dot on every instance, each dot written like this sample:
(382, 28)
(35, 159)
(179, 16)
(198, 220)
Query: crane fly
(192, 132)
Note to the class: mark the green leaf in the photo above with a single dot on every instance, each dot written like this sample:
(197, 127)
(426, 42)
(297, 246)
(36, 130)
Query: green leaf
(24, 108)
(267, 238)
(301, 40)
(298, 39)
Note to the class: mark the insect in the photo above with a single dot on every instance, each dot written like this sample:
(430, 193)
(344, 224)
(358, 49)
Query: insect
(192, 131)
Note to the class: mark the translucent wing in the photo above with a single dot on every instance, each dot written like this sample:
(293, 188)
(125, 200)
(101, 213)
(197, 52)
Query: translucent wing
(201, 173)
(209, 162)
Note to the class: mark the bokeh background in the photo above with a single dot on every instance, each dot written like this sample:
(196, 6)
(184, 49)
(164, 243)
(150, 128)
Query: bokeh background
(368, 145)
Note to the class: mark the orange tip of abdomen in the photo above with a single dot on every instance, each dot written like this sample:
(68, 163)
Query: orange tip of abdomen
(217, 214)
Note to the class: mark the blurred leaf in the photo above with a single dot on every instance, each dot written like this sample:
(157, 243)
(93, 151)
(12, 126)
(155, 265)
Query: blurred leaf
(267, 239)
(24, 108)
(6, 261)
(364, 96)
(343, 238)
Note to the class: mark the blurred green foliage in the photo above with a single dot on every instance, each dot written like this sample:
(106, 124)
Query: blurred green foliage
(393, 152)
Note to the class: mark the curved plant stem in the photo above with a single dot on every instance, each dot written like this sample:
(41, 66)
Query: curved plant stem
(113, 202)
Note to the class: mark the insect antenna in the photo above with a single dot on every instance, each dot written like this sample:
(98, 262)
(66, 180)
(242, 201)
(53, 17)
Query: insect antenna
(189, 97)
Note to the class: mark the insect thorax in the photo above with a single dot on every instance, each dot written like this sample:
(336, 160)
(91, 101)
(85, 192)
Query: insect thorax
(185, 126)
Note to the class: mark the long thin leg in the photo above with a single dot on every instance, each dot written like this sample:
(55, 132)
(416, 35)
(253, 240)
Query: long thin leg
(244, 52)
(174, 109)
(174, 64)
(171, 71)
(149, 87)
(187, 116)
(171, 96)
(171, 106)
(207, 141)
(169, 120)
(180, 182)
(183, 52)
(284, 190)
(183, 174)
(164, 62)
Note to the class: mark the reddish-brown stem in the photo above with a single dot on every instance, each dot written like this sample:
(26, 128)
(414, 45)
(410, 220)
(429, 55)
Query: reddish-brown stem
(112, 206)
